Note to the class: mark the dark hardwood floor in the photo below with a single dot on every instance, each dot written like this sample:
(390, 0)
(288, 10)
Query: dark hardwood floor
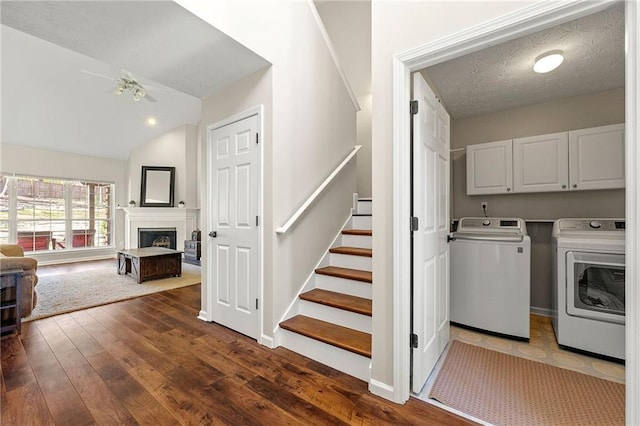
(150, 361)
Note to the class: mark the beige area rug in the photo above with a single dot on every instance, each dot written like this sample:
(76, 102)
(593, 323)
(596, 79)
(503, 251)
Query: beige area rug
(507, 390)
(58, 294)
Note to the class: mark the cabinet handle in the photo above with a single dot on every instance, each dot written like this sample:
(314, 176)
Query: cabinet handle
(575, 185)
(508, 189)
(564, 186)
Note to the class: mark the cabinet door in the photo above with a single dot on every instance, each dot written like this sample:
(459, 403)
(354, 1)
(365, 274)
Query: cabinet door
(596, 157)
(489, 168)
(541, 163)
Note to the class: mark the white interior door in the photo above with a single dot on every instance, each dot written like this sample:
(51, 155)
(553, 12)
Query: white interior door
(233, 251)
(430, 247)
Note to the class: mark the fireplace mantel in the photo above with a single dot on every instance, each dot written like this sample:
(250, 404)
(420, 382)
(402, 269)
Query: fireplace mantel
(185, 220)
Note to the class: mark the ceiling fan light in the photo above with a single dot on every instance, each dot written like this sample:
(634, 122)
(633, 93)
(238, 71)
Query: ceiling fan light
(548, 61)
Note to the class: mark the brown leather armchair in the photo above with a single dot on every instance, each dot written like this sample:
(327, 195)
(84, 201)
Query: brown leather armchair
(12, 257)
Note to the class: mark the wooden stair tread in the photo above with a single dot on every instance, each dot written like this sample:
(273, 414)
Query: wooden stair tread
(342, 337)
(350, 274)
(364, 232)
(354, 251)
(359, 305)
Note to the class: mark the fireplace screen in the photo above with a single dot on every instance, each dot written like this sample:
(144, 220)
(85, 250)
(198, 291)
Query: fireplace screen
(157, 237)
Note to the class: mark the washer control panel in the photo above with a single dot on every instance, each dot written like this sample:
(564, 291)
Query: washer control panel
(492, 224)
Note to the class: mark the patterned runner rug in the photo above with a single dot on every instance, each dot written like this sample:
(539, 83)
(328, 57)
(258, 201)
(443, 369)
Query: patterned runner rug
(506, 390)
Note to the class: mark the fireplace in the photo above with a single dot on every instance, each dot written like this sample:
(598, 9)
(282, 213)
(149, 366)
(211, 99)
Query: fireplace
(157, 237)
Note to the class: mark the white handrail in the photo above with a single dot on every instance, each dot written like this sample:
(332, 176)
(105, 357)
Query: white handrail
(289, 223)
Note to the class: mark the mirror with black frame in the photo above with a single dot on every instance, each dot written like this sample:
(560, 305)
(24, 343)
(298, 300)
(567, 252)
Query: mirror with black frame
(157, 187)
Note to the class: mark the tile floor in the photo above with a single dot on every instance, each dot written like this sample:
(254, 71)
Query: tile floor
(543, 347)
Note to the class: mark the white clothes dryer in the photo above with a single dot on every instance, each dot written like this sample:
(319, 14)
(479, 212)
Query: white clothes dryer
(588, 292)
(490, 275)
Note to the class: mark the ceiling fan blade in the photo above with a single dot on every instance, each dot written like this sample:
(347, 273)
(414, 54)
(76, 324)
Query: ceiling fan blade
(98, 75)
(150, 98)
(128, 75)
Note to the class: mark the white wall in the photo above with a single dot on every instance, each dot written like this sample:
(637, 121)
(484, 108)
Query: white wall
(313, 127)
(176, 148)
(349, 26)
(398, 26)
(40, 162)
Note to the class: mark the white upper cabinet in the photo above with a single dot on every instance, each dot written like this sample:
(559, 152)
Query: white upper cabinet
(596, 157)
(490, 168)
(540, 163)
(566, 161)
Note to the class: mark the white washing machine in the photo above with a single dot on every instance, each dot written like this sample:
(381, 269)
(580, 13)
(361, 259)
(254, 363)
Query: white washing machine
(490, 275)
(589, 285)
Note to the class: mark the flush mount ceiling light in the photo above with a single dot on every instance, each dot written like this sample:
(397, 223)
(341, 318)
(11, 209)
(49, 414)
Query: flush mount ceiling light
(151, 121)
(548, 61)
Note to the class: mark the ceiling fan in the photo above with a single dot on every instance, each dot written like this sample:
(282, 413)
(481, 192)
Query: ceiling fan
(127, 83)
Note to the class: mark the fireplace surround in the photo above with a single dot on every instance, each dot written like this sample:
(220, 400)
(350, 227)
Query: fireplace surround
(182, 219)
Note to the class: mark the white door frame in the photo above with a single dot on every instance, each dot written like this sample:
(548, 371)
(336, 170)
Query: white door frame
(207, 314)
(513, 25)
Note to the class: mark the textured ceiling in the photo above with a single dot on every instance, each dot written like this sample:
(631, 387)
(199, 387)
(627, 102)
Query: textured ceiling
(47, 102)
(501, 77)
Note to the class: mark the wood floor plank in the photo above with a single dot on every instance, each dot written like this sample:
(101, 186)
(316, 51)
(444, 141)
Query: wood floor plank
(5, 413)
(46, 368)
(140, 403)
(27, 406)
(101, 402)
(67, 408)
(297, 406)
(16, 370)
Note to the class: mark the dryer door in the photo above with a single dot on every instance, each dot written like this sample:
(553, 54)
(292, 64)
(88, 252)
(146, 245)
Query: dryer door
(595, 286)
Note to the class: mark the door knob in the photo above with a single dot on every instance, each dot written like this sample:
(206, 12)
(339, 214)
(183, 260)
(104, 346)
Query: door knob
(213, 234)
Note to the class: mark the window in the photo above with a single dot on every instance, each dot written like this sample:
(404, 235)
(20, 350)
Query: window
(55, 214)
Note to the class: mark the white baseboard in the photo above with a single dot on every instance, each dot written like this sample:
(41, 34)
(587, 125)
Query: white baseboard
(202, 316)
(543, 312)
(267, 341)
(382, 390)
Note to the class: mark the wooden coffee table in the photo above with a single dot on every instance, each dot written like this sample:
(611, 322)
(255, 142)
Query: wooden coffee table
(150, 263)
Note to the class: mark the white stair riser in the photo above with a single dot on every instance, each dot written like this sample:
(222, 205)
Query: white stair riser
(361, 222)
(353, 364)
(364, 207)
(335, 316)
(362, 263)
(361, 241)
(342, 285)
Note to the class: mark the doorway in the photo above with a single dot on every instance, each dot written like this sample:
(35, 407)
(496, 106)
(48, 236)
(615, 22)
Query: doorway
(533, 19)
(233, 222)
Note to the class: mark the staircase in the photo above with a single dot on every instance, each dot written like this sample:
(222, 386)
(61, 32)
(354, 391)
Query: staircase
(331, 320)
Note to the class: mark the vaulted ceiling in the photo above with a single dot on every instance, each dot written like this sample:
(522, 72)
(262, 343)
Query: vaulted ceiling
(49, 102)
